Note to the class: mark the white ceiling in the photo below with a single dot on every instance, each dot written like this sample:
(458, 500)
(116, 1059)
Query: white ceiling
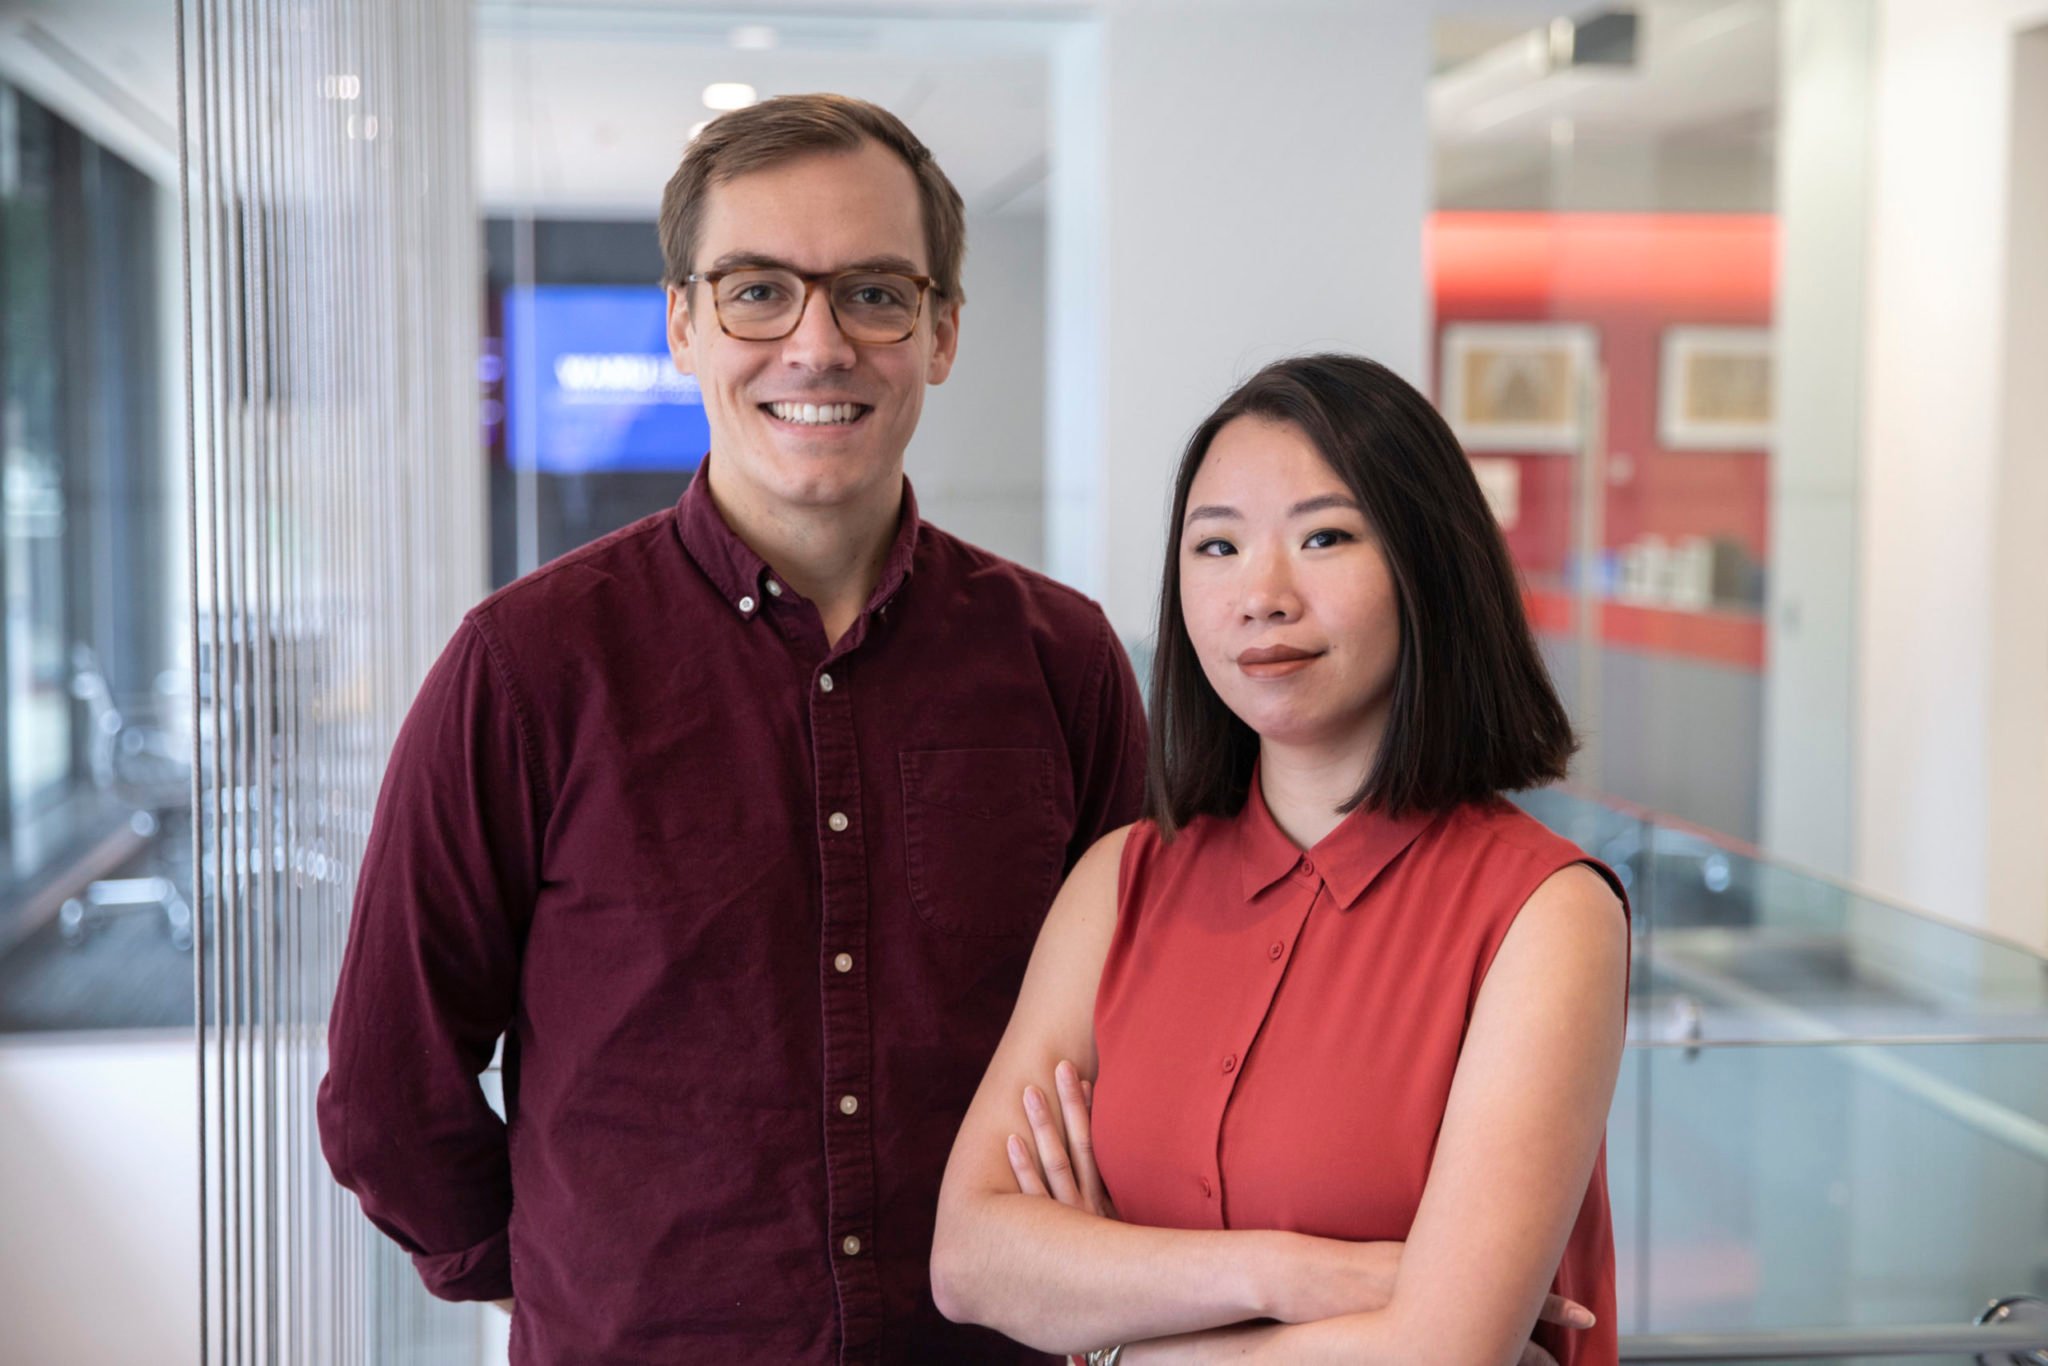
(584, 106)
(592, 117)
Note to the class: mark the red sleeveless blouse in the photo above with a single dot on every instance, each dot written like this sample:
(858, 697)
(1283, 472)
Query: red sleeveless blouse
(1277, 1031)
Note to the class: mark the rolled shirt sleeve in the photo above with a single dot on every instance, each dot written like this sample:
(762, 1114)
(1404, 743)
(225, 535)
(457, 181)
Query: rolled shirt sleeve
(429, 978)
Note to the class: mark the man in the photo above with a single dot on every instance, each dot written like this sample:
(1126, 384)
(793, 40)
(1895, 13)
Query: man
(738, 824)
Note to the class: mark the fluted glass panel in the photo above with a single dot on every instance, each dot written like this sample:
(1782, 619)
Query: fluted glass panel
(337, 523)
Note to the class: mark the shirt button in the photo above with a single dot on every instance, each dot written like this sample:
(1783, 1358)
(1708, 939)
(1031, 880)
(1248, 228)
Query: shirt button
(848, 1104)
(774, 588)
(1230, 1063)
(837, 820)
(824, 682)
(850, 1245)
(1275, 952)
(746, 604)
(1308, 867)
(843, 963)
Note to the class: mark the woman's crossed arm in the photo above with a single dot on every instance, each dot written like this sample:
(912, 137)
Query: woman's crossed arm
(1057, 1276)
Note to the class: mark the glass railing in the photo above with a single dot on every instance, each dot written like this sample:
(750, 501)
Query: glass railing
(1830, 1137)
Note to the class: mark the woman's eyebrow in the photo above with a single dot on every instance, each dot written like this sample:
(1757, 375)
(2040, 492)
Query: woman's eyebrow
(1323, 503)
(1211, 510)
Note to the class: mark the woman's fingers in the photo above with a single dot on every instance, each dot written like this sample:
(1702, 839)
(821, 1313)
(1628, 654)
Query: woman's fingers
(1571, 1314)
(1074, 1106)
(1023, 1168)
(1052, 1149)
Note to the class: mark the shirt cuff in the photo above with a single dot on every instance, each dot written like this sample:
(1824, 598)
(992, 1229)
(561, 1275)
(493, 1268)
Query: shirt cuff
(480, 1272)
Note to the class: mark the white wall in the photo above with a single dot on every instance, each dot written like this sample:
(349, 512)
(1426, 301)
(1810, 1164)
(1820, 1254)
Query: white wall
(2018, 823)
(1948, 675)
(1258, 178)
(977, 460)
(99, 1201)
(1823, 204)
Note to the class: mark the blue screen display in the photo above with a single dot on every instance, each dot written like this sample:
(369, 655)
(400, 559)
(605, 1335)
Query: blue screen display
(589, 384)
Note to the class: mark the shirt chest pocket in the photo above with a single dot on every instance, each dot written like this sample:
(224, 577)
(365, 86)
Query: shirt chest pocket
(984, 837)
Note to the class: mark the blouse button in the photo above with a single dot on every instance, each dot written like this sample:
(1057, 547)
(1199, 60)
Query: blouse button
(1275, 952)
(1230, 1063)
(1208, 1191)
(1308, 866)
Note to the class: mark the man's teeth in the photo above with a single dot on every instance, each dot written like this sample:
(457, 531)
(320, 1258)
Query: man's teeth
(815, 414)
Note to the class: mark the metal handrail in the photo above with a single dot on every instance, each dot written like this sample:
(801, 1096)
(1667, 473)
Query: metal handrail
(2013, 1330)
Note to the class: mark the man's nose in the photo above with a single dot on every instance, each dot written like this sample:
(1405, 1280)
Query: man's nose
(817, 343)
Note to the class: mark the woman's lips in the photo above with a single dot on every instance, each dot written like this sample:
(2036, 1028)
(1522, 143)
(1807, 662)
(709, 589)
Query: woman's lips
(1275, 661)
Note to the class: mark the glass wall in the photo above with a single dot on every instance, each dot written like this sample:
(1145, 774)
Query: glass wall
(97, 786)
(1605, 258)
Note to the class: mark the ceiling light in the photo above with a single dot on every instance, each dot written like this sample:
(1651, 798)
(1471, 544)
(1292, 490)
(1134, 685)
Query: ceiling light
(754, 38)
(728, 95)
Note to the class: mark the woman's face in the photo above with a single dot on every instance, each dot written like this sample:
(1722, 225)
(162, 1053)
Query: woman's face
(1285, 593)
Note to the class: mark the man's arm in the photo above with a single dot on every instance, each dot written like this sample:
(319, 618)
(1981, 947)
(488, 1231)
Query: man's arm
(429, 976)
(1106, 743)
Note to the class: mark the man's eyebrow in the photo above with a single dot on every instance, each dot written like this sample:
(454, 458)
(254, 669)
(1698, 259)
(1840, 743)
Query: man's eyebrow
(748, 260)
(754, 260)
(900, 265)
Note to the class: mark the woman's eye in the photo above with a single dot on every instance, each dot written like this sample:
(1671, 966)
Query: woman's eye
(1319, 540)
(1215, 546)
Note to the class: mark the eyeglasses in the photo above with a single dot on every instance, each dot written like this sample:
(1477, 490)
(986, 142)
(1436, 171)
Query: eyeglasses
(766, 303)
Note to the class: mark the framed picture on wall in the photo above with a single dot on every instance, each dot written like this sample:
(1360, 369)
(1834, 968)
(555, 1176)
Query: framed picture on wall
(1517, 386)
(1714, 390)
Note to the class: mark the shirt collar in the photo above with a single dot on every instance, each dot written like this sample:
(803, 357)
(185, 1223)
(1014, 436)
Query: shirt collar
(741, 576)
(1347, 859)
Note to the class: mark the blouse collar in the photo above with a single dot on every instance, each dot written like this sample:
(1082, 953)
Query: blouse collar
(1347, 859)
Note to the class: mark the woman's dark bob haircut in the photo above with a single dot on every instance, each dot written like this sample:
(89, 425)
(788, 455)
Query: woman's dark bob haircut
(1473, 712)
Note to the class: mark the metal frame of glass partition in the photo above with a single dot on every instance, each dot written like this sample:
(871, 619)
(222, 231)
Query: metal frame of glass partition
(1830, 1137)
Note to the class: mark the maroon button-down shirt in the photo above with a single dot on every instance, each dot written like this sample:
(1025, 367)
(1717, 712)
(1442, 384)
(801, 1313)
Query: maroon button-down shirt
(751, 911)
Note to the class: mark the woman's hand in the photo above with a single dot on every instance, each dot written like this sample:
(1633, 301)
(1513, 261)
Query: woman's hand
(1331, 1278)
(1064, 1167)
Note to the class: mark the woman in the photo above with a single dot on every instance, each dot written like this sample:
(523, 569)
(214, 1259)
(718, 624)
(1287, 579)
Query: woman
(1352, 1021)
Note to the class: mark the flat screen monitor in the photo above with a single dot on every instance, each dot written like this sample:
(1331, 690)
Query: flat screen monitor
(589, 386)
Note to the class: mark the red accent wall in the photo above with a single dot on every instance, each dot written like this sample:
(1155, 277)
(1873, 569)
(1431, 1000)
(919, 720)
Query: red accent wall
(1629, 276)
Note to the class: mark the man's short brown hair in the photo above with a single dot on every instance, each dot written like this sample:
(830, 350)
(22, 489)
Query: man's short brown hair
(790, 126)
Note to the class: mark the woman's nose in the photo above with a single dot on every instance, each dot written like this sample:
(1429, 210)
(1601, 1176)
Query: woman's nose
(1269, 594)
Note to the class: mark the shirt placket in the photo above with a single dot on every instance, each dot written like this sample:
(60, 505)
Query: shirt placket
(1267, 948)
(843, 952)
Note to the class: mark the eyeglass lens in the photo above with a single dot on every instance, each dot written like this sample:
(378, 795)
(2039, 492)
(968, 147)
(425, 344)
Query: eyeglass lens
(762, 305)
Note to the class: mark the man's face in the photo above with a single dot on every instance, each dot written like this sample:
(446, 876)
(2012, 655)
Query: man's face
(825, 212)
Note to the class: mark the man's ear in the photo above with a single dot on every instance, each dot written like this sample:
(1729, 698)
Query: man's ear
(679, 337)
(945, 341)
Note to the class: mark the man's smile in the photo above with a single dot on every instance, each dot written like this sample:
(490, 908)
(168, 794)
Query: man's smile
(817, 414)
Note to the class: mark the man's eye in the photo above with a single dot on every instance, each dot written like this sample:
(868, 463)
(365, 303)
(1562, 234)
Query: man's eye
(1318, 540)
(1215, 545)
(756, 294)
